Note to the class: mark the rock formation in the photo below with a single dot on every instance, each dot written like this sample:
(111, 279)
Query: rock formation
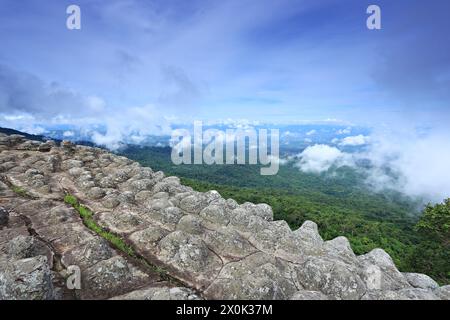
(179, 243)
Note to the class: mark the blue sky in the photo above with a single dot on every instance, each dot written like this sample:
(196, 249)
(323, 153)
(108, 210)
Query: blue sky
(260, 60)
(138, 66)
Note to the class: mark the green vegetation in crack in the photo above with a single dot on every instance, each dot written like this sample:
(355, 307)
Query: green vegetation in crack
(19, 191)
(88, 219)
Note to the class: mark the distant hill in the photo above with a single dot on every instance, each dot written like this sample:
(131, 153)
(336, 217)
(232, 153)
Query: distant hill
(43, 138)
(26, 135)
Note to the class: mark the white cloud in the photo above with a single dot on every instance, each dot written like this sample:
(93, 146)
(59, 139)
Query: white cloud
(131, 125)
(68, 134)
(27, 100)
(311, 132)
(275, 159)
(32, 129)
(408, 161)
(358, 140)
(289, 134)
(344, 131)
(23, 94)
(420, 161)
(321, 157)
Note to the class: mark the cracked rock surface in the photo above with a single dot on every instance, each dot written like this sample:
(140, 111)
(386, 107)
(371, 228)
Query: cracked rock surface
(187, 244)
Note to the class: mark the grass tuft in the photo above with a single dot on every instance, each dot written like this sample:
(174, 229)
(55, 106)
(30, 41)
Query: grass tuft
(88, 219)
(20, 191)
(69, 199)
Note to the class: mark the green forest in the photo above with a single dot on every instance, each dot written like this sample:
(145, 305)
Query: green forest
(416, 236)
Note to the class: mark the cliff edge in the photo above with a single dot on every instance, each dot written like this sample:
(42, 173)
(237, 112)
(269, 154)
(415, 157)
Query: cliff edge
(136, 234)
